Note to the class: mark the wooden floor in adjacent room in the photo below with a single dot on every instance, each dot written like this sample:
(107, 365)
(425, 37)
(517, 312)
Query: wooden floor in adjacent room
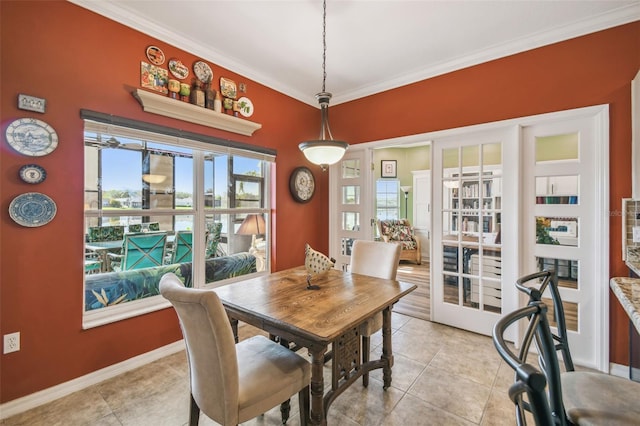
(417, 303)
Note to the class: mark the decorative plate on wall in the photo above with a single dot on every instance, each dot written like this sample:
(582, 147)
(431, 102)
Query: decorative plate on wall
(32, 173)
(178, 69)
(32, 209)
(32, 137)
(202, 70)
(228, 88)
(245, 106)
(155, 55)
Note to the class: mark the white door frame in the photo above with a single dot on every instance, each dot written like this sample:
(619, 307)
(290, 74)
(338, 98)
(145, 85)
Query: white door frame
(601, 115)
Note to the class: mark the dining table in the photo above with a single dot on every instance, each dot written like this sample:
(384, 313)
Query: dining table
(102, 248)
(283, 305)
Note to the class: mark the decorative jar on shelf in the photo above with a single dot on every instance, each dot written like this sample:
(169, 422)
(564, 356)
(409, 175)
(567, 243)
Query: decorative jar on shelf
(209, 97)
(185, 90)
(197, 96)
(174, 89)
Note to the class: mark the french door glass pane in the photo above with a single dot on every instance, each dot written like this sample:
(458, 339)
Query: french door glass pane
(561, 231)
(557, 189)
(557, 148)
(471, 222)
(351, 194)
(566, 270)
(350, 168)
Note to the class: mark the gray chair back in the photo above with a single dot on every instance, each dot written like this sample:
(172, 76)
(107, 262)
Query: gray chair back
(211, 351)
(529, 380)
(534, 285)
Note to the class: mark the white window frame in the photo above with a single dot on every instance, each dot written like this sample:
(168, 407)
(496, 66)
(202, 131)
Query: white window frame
(130, 309)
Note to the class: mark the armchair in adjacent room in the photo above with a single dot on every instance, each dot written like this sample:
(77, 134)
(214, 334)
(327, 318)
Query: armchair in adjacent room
(401, 231)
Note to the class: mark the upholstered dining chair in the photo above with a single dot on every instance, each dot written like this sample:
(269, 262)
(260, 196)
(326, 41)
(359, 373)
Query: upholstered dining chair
(232, 383)
(574, 397)
(140, 250)
(377, 259)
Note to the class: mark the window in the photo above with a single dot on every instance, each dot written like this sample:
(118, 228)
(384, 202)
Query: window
(387, 199)
(156, 203)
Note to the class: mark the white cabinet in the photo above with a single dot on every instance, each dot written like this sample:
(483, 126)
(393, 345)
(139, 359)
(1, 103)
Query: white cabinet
(491, 268)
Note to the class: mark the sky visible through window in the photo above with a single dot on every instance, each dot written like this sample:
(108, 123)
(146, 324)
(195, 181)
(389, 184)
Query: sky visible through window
(122, 170)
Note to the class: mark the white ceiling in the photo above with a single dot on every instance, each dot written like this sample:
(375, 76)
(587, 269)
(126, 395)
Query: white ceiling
(372, 45)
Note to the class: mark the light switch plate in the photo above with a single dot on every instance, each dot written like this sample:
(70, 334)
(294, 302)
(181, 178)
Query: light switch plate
(636, 234)
(31, 103)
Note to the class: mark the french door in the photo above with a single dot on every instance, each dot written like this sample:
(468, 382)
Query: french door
(565, 223)
(351, 204)
(474, 260)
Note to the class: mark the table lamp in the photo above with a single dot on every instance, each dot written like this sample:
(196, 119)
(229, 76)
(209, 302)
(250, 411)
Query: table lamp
(253, 225)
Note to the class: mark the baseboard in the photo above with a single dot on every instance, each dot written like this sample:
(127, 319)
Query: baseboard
(619, 370)
(36, 399)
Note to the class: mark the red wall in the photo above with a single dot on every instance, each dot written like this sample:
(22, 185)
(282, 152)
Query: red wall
(590, 70)
(76, 59)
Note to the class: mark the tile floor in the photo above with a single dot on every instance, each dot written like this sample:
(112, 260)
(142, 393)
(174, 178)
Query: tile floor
(441, 376)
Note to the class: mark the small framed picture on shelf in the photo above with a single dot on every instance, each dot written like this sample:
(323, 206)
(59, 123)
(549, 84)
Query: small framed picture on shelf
(388, 168)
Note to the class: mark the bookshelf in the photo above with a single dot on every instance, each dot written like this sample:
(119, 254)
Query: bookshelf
(472, 205)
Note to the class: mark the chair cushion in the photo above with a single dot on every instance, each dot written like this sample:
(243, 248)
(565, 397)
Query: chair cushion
(372, 325)
(268, 375)
(598, 399)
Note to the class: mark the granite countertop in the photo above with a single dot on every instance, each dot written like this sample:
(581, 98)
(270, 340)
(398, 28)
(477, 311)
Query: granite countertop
(627, 290)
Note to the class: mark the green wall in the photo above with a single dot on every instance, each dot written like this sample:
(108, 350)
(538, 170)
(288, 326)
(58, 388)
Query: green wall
(408, 159)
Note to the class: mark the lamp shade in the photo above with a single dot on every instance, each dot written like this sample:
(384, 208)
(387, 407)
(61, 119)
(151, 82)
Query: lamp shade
(253, 224)
(154, 178)
(323, 152)
(405, 189)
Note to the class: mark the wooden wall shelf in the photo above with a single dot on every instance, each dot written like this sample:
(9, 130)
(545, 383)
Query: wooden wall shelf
(162, 105)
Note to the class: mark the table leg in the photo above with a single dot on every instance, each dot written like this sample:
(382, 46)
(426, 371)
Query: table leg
(317, 386)
(387, 353)
(234, 328)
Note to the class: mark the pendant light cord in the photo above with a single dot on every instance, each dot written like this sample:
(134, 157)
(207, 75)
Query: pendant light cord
(324, 44)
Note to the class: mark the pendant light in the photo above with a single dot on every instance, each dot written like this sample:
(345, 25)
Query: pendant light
(323, 151)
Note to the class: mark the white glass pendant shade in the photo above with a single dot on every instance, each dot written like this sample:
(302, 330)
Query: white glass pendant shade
(323, 152)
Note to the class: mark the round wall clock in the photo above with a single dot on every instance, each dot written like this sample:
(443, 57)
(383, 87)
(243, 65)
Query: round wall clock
(302, 184)
(32, 137)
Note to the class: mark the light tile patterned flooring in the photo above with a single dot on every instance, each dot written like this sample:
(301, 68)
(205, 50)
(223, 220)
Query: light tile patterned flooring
(441, 376)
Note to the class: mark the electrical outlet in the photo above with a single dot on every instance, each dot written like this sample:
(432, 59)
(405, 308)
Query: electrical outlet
(636, 234)
(11, 342)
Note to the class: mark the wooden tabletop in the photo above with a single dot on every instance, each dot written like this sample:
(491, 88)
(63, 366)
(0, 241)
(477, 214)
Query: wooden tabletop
(281, 301)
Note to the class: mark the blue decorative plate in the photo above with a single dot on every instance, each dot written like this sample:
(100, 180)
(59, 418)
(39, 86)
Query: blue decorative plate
(32, 173)
(32, 137)
(32, 209)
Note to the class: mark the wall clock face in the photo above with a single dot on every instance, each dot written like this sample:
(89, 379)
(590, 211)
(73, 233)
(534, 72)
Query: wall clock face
(302, 184)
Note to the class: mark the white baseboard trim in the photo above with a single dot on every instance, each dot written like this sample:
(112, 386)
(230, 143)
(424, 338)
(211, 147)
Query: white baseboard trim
(619, 370)
(44, 396)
